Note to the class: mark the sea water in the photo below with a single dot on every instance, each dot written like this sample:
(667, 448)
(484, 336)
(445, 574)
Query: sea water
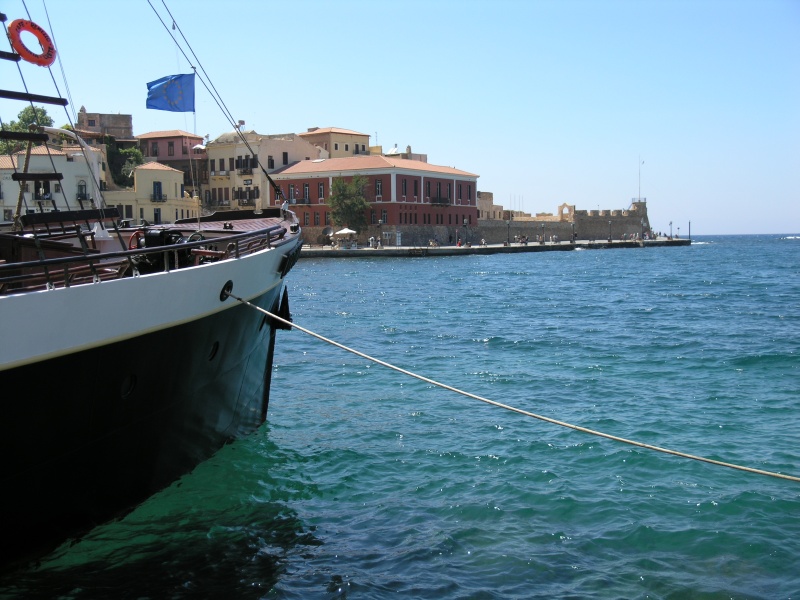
(367, 483)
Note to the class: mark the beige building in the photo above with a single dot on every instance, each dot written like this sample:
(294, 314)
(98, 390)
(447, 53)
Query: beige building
(337, 142)
(157, 196)
(236, 179)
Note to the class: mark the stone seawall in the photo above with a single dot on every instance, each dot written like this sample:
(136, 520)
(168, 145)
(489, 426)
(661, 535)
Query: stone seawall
(589, 225)
(312, 251)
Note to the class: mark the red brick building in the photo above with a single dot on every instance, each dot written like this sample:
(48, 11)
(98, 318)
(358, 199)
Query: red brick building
(400, 192)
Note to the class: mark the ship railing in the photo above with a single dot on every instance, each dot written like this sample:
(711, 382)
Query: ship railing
(88, 266)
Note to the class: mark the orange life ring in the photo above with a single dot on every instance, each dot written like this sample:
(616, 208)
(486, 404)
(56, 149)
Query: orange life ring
(48, 54)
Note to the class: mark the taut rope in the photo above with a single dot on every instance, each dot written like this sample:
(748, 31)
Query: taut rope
(519, 410)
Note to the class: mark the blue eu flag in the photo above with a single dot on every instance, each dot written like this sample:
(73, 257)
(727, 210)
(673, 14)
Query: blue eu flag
(173, 92)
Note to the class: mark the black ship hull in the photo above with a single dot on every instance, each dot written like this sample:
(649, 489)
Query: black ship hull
(125, 361)
(87, 435)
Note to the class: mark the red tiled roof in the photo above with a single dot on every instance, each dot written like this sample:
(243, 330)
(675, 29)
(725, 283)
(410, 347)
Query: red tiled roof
(156, 166)
(332, 130)
(368, 163)
(166, 134)
(42, 150)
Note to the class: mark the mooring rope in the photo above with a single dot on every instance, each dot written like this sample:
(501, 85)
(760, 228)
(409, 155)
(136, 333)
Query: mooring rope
(513, 408)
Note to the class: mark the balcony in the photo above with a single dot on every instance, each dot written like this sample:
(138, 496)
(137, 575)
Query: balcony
(158, 197)
(440, 201)
(302, 200)
(81, 196)
(245, 171)
(246, 202)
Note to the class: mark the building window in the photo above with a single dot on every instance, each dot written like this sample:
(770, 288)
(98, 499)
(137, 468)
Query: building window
(378, 187)
(347, 147)
(327, 218)
(363, 148)
(384, 217)
(321, 190)
(154, 149)
(428, 189)
(336, 146)
(213, 162)
(185, 149)
(285, 158)
(316, 219)
(438, 189)
(230, 164)
(270, 162)
(405, 187)
(306, 194)
(170, 148)
(91, 122)
(416, 187)
(469, 193)
(459, 191)
(449, 191)
(305, 219)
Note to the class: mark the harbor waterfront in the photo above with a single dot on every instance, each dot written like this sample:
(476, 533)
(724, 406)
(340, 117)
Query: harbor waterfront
(364, 483)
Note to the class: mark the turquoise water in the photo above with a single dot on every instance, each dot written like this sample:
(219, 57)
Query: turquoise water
(365, 483)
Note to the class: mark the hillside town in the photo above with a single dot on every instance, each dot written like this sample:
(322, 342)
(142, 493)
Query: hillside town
(411, 201)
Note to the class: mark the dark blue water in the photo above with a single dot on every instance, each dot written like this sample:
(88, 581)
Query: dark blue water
(365, 483)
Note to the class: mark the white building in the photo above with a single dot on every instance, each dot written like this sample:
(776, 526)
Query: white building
(83, 177)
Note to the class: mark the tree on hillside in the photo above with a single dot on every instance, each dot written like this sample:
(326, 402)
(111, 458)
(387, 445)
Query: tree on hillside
(348, 203)
(121, 163)
(30, 115)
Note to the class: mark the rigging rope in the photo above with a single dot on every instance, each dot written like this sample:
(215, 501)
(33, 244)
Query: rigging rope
(515, 409)
(215, 95)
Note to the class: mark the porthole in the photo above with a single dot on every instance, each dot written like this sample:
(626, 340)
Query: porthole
(128, 386)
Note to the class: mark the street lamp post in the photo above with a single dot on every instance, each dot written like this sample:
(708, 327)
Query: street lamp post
(380, 240)
(643, 229)
(465, 232)
(573, 232)
(609, 231)
(508, 232)
(679, 233)
(541, 240)
(670, 230)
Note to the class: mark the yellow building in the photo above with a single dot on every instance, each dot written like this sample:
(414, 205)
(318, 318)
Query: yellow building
(157, 196)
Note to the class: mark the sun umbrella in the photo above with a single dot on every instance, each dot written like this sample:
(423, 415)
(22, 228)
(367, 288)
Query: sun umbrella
(344, 231)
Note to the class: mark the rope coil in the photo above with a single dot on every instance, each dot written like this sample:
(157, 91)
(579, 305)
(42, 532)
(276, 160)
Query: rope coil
(520, 411)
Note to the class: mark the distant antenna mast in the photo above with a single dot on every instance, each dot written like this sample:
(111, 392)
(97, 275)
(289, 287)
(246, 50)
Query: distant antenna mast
(641, 162)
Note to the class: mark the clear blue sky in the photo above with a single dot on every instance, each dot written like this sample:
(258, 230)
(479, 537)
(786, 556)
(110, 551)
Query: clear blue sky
(548, 101)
